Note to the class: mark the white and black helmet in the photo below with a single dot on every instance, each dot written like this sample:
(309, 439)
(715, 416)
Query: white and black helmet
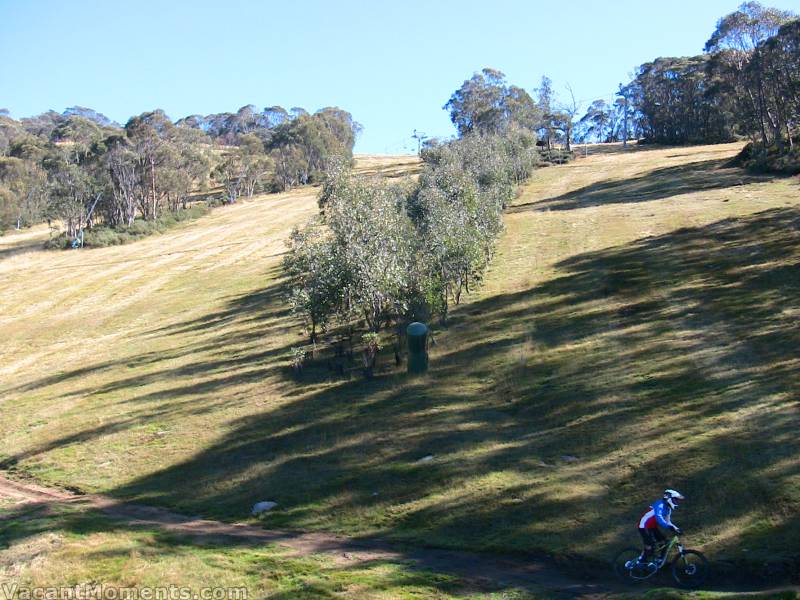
(672, 497)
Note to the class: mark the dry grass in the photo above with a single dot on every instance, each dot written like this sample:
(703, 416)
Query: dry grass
(636, 330)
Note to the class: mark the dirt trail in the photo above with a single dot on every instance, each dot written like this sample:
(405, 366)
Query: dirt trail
(534, 573)
(485, 570)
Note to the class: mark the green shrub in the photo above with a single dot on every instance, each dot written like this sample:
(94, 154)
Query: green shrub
(58, 242)
(774, 160)
(101, 236)
(556, 156)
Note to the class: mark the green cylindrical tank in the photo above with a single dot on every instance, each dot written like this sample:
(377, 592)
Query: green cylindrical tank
(417, 334)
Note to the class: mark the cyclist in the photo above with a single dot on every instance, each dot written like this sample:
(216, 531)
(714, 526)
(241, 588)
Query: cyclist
(660, 513)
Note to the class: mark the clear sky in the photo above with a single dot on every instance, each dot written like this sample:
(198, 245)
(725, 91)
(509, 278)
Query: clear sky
(393, 65)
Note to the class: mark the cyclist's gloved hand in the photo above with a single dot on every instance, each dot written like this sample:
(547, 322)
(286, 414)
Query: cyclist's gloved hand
(677, 530)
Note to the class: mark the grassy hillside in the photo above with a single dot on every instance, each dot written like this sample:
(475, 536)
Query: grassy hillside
(637, 330)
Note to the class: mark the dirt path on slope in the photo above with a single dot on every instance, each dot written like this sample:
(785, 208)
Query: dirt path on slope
(480, 568)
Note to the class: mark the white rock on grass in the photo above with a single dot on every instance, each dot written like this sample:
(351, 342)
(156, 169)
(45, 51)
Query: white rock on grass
(262, 507)
(425, 459)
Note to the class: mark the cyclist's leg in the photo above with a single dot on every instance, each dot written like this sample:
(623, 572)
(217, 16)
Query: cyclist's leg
(660, 540)
(647, 540)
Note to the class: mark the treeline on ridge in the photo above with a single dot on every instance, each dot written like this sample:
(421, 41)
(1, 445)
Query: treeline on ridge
(112, 183)
(745, 86)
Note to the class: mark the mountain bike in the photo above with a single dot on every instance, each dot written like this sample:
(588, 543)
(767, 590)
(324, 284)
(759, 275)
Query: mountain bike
(689, 567)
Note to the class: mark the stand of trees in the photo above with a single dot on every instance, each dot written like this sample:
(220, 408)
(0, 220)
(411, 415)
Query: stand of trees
(487, 104)
(610, 121)
(83, 170)
(382, 254)
(678, 104)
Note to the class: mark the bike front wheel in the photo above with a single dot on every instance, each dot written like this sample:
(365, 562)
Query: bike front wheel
(690, 569)
(628, 568)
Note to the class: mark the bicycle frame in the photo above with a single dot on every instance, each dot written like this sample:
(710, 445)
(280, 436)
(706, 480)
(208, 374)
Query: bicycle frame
(666, 549)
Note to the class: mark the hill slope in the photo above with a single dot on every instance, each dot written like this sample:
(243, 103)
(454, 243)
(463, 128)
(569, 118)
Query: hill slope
(636, 330)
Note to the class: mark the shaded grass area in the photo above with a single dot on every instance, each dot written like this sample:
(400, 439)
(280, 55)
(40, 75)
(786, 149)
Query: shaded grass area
(60, 547)
(661, 593)
(653, 185)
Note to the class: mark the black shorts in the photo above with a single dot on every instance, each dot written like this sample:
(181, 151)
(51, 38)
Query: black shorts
(651, 537)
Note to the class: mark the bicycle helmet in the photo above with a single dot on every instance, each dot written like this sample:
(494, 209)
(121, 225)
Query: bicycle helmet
(672, 497)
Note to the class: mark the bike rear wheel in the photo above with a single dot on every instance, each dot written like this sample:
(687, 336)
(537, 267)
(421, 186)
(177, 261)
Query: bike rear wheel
(690, 569)
(628, 568)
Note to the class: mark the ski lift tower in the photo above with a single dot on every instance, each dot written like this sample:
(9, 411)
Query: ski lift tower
(420, 137)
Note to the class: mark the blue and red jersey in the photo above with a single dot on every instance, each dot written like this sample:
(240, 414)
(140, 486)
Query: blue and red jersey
(659, 514)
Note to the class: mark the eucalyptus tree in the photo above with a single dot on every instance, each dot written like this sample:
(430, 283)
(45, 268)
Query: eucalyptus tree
(595, 123)
(146, 135)
(678, 102)
(463, 188)
(545, 102)
(374, 237)
(244, 168)
(27, 190)
(520, 154)
(122, 163)
(291, 165)
(564, 117)
(89, 113)
(778, 58)
(275, 116)
(302, 146)
(485, 103)
(77, 135)
(8, 209)
(743, 30)
(10, 130)
(742, 89)
(382, 254)
(42, 125)
(74, 192)
(167, 165)
(246, 119)
(317, 278)
(449, 235)
(354, 261)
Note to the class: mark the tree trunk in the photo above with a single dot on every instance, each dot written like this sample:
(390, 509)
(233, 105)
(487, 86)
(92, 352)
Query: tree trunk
(153, 185)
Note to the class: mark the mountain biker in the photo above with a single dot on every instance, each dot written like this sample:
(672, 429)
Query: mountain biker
(660, 513)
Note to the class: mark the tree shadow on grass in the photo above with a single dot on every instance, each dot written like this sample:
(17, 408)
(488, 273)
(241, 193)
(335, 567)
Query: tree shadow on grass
(554, 420)
(26, 247)
(658, 184)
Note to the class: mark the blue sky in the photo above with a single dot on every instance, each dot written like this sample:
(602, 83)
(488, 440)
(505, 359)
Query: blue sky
(392, 65)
